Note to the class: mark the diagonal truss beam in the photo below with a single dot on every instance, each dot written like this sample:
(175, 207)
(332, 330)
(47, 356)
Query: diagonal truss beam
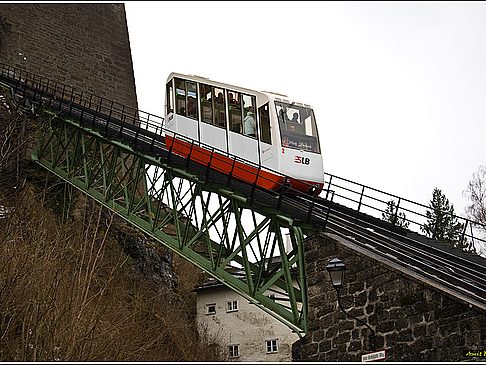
(258, 254)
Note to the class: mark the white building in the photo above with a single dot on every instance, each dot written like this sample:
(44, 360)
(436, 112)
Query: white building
(246, 332)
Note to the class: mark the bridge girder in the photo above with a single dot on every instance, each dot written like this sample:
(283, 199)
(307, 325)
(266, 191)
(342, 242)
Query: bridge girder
(209, 225)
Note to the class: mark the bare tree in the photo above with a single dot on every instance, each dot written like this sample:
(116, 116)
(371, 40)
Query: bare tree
(476, 194)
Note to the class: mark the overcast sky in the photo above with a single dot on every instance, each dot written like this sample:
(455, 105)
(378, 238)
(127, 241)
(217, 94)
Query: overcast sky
(398, 88)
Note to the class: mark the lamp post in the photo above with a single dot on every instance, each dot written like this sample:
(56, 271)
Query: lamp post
(336, 269)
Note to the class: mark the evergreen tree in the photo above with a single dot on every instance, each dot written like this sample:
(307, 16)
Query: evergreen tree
(441, 221)
(390, 215)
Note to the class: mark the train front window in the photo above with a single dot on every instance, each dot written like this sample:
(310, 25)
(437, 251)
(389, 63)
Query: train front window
(186, 98)
(297, 126)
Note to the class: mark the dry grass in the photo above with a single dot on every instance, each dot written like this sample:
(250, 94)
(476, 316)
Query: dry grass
(69, 292)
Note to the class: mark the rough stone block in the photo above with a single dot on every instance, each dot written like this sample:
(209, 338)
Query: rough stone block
(331, 332)
(325, 346)
(354, 346)
(385, 327)
(369, 309)
(419, 330)
(411, 299)
(391, 339)
(356, 312)
(318, 335)
(343, 338)
(405, 336)
(346, 325)
(401, 323)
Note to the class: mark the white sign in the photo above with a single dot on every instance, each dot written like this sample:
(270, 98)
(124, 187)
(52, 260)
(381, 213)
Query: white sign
(374, 356)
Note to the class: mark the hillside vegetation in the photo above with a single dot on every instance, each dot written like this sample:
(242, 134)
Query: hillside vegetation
(69, 290)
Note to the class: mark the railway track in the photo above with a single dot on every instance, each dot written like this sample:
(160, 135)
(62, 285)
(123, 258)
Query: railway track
(461, 276)
(448, 270)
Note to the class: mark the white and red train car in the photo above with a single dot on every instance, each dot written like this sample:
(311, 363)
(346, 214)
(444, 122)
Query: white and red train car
(271, 136)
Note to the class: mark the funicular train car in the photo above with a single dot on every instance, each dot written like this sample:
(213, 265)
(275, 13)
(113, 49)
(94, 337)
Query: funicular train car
(256, 136)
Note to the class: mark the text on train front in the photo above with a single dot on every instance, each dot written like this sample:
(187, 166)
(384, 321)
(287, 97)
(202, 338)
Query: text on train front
(298, 128)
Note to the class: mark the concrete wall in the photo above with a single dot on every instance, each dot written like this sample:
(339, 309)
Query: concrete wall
(413, 320)
(82, 45)
(249, 327)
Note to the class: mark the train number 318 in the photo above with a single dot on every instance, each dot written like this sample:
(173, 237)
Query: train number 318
(302, 160)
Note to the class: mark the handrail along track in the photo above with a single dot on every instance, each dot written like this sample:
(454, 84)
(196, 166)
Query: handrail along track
(309, 213)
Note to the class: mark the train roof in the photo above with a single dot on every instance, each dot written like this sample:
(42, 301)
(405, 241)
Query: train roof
(269, 94)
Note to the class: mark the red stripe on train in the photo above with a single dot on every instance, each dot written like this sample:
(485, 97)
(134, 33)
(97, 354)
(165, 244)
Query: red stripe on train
(226, 165)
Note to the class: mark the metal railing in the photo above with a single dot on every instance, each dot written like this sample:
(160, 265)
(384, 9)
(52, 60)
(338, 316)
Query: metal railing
(119, 121)
(407, 213)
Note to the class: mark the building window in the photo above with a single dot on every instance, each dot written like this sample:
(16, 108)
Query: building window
(234, 350)
(271, 346)
(211, 308)
(231, 306)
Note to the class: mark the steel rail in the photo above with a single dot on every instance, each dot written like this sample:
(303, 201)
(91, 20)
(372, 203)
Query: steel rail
(420, 264)
(398, 247)
(474, 269)
(460, 263)
(419, 258)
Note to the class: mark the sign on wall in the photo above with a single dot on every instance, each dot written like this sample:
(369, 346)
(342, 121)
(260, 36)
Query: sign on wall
(374, 356)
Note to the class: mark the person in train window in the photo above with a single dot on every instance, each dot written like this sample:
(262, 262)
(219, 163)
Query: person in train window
(220, 99)
(249, 124)
(231, 99)
(191, 109)
(295, 118)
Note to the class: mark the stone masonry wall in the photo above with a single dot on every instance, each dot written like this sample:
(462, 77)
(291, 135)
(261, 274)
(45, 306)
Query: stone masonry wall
(82, 45)
(413, 321)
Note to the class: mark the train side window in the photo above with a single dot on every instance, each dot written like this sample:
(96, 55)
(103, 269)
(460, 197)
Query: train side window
(180, 96)
(219, 107)
(191, 99)
(264, 114)
(206, 103)
(249, 117)
(234, 109)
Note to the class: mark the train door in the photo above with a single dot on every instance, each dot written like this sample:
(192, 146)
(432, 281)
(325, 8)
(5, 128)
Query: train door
(268, 150)
(212, 129)
(242, 135)
(185, 120)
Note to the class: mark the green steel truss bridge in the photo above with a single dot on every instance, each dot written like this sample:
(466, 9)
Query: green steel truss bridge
(249, 239)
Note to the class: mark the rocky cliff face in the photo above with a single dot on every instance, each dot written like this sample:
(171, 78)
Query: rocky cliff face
(151, 260)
